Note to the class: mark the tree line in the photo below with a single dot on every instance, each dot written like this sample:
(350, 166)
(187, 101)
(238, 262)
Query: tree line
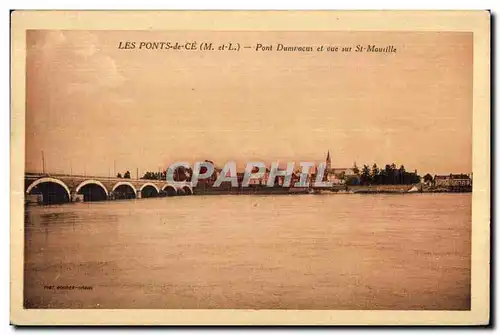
(389, 175)
(126, 175)
(180, 174)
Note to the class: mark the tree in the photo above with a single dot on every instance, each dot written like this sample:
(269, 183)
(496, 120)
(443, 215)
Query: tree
(366, 175)
(119, 175)
(415, 178)
(375, 173)
(402, 173)
(148, 175)
(388, 169)
(428, 178)
(126, 175)
(355, 169)
(388, 174)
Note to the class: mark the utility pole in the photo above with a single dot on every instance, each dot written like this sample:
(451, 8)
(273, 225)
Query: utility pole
(43, 163)
(136, 173)
(114, 167)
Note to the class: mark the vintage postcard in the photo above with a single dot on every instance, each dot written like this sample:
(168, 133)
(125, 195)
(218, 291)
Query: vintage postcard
(250, 168)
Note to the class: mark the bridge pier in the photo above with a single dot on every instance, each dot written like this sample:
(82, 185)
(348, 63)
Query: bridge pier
(75, 197)
(138, 194)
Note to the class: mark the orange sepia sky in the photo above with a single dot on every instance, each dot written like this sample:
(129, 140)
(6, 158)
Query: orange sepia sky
(92, 107)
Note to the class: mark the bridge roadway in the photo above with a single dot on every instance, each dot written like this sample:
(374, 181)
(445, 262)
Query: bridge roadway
(69, 188)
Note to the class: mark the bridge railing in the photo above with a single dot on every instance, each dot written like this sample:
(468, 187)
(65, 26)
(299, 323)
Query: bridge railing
(34, 175)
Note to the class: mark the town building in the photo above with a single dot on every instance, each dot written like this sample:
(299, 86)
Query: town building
(453, 180)
(343, 173)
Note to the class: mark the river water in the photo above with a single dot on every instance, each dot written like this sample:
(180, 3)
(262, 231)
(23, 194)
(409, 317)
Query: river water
(252, 251)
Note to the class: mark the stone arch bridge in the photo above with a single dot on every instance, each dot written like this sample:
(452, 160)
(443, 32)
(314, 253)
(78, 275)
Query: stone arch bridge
(52, 188)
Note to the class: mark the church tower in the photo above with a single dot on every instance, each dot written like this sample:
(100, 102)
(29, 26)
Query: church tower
(328, 162)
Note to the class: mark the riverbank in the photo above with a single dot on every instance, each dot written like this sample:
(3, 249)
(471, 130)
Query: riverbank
(37, 199)
(249, 190)
(403, 189)
(383, 188)
(341, 189)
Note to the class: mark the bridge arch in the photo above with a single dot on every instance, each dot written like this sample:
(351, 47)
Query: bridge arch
(47, 180)
(150, 184)
(92, 190)
(51, 196)
(144, 190)
(91, 181)
(124, 185)
(170, 190)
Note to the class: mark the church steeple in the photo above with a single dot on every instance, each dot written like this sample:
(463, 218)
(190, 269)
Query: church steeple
(328, 161)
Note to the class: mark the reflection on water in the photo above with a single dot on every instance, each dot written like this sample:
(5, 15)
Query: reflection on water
(252, 252)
